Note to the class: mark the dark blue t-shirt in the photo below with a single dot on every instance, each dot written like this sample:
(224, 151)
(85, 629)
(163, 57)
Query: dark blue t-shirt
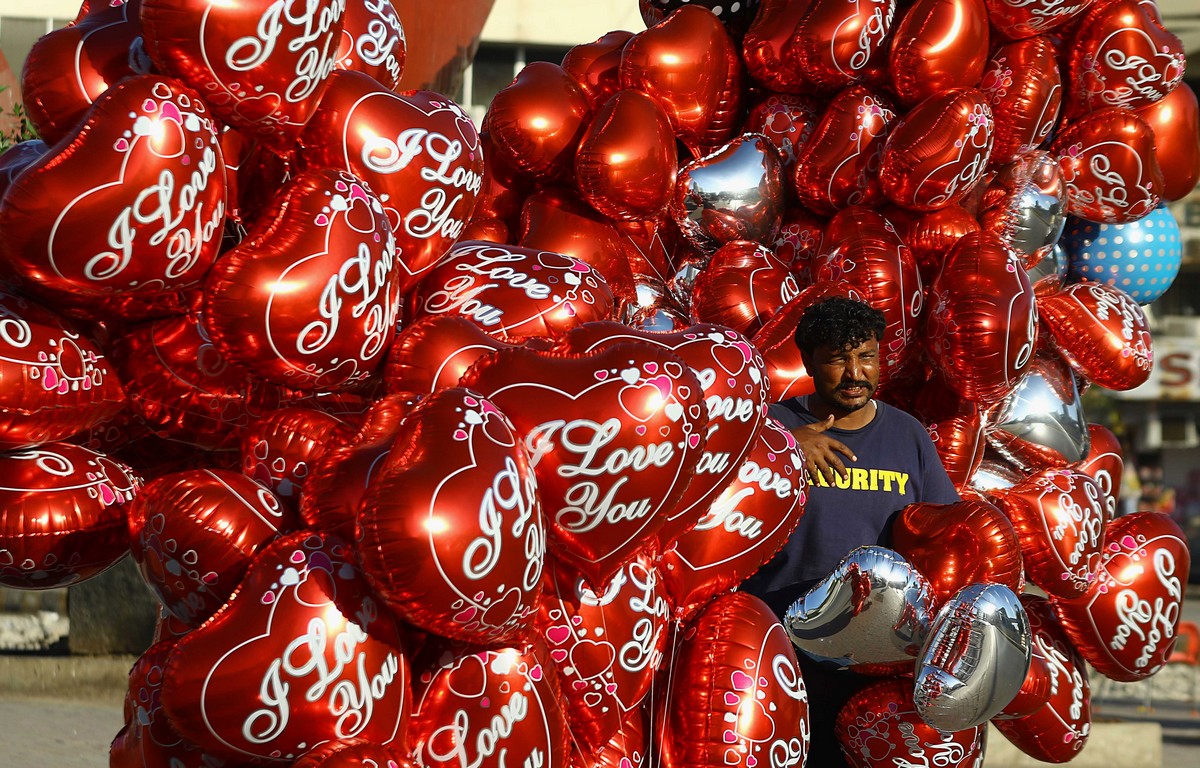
(897, 466)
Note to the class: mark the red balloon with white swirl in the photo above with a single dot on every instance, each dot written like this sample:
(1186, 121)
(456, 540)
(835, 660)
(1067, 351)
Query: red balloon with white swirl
(983, 320)
(1105, 464)
(373, 41)
(1175, 121)
(62, 515)
(879, 727)
(417, 151)
(355, 753)
(299, 655)
(1109, 165)
(1103, 334)
(132, 202)
(604, 647)
(310, 296)
(193, 534)
(614, 438)
(1017, 19)
(450, 531)
(1023, 84)
(261, 64)
(512, 292)
(1125, 625)
(787, 120)
(742, 287)
(743, 528)
(834, 42)
(496, 708)
(937, 45)
(737, 697)
(280, 451)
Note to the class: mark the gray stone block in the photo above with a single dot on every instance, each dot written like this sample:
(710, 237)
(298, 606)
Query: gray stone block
(112, 613)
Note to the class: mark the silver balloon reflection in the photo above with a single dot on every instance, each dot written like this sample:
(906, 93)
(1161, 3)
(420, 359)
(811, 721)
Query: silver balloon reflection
(654, 309)
(1025, 205)
(874, 608)
(1042, 423)
(735, 193)
(975, 659)
(994, 475)
(1050, 272)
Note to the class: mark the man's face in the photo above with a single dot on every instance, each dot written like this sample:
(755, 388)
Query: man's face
(845, 378)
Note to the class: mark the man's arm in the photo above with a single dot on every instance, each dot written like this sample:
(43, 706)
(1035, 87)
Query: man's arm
(820, 451)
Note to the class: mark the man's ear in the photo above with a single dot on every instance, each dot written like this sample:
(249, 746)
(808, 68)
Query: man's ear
(806, 358)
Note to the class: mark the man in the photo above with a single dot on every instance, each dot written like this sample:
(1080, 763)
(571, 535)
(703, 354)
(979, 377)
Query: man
(866, 461)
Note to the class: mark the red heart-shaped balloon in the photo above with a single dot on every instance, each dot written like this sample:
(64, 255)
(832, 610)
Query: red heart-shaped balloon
(299, 655)
(743, 528)
(1023, 84)
(512, 292)
(417, 151)
(1126, 623)
(733, 381)
(1103, 334)
(373, 42)
(1109, 166)
(983, 319)
(1017, 19)
(938, 45)
(839, 165)
(1122, 56)
(193, 534)
(787, 120)
(1105, 464)
(1175, 120)
(53, 381)
(834, 42)
(536, 122)
(799, 242)
(1059, 518)
(614, 439)
(956, 426)
(62, 515)
(596, 66)
(930, 234)
(261, 66)
(765, 48)
(742, 287)
(1058, 729)
(310, 296)
(450, 531)
(354, 753)
(280, 451)
(628, 747)
(131, 202)
(69, 68)
(434, 352)
(605, 648)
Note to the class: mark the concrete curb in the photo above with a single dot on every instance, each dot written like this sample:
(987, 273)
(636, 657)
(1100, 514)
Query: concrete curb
(1129, 745)
(66, 677)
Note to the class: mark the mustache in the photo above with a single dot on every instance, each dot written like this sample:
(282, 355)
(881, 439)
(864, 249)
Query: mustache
(853, 384)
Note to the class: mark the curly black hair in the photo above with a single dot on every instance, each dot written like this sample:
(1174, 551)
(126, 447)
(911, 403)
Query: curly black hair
(840, 323)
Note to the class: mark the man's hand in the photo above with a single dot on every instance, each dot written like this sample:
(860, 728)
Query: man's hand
(821, 451)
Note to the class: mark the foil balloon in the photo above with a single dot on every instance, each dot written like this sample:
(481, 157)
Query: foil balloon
(1101, 332)
(626, 163)
(54, 382)
(489, 709)
(1122, 56)
(655, 307)
(596, 65)
(131, 202)
(434, 352)
(331, 497)
(937, 45)
(974, 660)
(1058, 729)
(193, 534)
(605, 648)
(613, 438)
(835, 41)
(799, 242)
(1024, 204)
(1105, 464)
(261, 70)
(956, 427)
(872, 609)
(1017, 19)
(503, 191)
(1175, 120)
(956, 545)
(735, 193)
(690, 65)
(839, 165)
(628, 747)
(742, 287)
(373, 42)
(537, 121)
(512, 292)
(69, 68)
(930, 234)
(1059, 518)
(450, 532)
(765, 48)
(17, 158)
(983, 322)
(743, 529)
(427, 175)
(737, 698)
(938, 151)
(62, 516)
(184, 388)
(994, 474)
(1109, 166)
(299, 655)
(1140, 257)
(1049, 274)
(326, 245)
(1041, 424)
(879, 727)
(735, 16)
(1125, 625)
(354, 753)
(1023, 84)
(280, 451)
(733, 385)
(787, 120)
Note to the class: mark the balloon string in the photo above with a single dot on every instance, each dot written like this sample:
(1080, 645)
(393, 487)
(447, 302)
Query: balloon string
(659, 715)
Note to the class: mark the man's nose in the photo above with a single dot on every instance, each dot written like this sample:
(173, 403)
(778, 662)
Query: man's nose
(852, 371)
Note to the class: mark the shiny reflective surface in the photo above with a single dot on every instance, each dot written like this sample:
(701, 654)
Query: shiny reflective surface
(1026, 206)
(1042, 422)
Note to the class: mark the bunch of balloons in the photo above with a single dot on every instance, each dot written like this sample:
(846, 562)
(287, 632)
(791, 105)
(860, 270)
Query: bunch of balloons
(449, 447)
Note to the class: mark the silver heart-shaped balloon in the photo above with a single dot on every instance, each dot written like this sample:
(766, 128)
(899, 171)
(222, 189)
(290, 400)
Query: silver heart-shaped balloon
(1042, 423)
(975, 660)
(874, 608)
(1049, 273)
(1025, 204)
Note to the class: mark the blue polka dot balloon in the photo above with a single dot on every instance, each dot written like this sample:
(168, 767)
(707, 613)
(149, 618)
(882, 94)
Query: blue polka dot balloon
(1140, 257)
